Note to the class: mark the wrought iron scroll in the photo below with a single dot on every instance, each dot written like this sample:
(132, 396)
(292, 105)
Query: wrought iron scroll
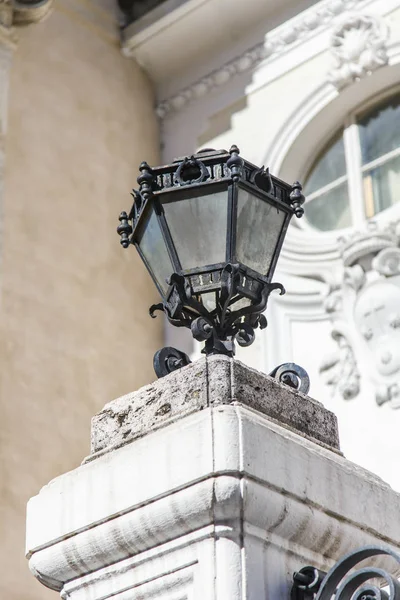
(292, 375)
(169, 359)
(191, 171)
(344, 582)
(220, 327)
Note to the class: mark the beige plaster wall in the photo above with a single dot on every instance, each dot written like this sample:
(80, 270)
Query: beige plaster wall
(75, 331)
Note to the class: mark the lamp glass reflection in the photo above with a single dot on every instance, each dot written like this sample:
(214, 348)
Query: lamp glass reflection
(198, 228)
(258, 228)
(154, 250)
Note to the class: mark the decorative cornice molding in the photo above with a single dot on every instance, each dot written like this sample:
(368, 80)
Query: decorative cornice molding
(278, 41)
(358, 46)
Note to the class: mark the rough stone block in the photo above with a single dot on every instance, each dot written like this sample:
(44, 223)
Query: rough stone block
(209, 382)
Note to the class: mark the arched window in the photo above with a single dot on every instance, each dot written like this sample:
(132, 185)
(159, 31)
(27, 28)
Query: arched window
(358, 173)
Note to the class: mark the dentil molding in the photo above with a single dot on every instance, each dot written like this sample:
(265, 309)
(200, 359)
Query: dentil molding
(277, 42)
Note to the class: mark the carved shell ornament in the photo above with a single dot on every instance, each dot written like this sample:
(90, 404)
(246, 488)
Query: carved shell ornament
(358, 45)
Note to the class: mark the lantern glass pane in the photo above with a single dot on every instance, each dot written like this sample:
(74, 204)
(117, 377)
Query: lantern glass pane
(154, 250)
(198, 228)
(258, 228)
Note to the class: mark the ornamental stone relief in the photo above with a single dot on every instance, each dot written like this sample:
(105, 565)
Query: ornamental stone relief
(358, 46)
(365, 313)
(276, 43)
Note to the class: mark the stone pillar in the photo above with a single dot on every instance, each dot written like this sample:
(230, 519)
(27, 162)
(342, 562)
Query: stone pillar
(214, 483)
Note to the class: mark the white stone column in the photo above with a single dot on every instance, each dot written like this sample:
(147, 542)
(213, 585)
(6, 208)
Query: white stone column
(214, 483)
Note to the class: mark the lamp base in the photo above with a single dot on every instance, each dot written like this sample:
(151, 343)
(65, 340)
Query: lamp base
(171, 359)
(239, 300)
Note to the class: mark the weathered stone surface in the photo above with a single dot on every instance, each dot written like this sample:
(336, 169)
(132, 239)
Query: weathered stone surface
(224, 504)
(283, 404)
(73, 312)
(152, 406)
(209, 382)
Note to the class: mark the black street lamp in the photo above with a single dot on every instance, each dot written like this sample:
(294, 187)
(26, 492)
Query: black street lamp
(209, 229)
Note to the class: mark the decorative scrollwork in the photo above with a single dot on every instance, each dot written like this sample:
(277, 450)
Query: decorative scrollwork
(387, 262)
(342, 582)
(292, 375)
(136, 206)
(306, 583)
(219, 327)
(262, 179)
(191, 171)
(169, 359)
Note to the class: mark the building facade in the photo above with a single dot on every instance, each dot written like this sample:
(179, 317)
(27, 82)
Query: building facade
(76, 117)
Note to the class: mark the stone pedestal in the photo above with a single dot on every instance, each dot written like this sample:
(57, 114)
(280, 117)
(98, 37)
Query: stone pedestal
(215, 483)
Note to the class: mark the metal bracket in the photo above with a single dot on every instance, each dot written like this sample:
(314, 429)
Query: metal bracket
(294, 376)
(306, 583)
(169, 359)
(223, 325)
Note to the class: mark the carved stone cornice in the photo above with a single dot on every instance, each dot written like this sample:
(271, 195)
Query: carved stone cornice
(278, 41)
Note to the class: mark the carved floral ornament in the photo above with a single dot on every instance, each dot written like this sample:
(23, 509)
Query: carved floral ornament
(358, 46)
(364, 309)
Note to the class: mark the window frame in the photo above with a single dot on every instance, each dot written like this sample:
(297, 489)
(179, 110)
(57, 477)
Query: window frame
(358, 203)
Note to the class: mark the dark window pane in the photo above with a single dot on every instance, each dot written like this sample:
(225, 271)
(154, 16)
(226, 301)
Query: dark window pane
(198, 228)
(329, 167)
(155, 252)
(258, 227)
(330, 210)
(383, 185)
(380, 130)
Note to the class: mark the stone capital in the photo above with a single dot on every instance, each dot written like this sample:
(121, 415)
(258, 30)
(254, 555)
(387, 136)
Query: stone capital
(209, 382)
